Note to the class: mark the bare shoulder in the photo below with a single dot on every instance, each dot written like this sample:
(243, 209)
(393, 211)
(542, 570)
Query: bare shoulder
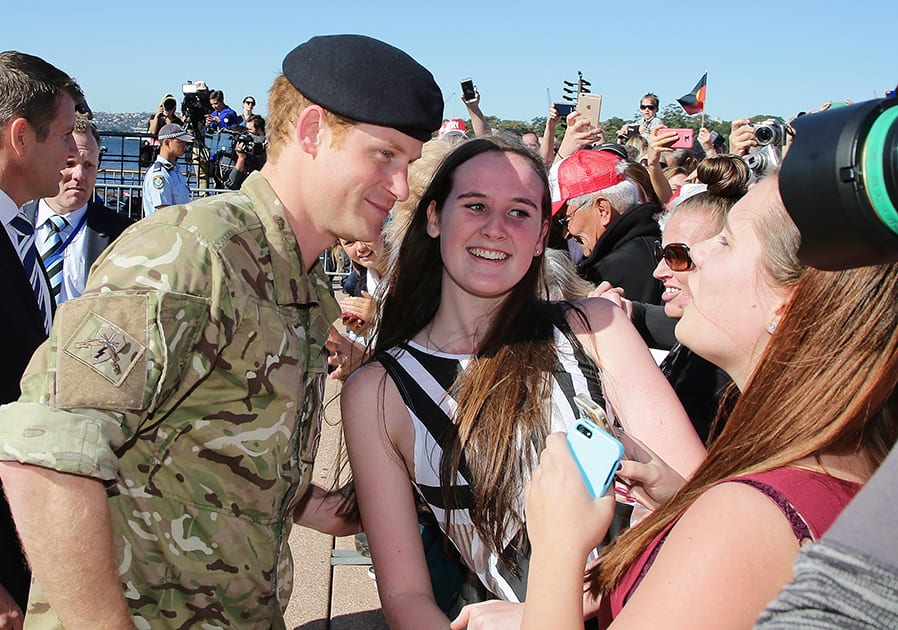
(593, 314)
(727, 556)
(372, 408)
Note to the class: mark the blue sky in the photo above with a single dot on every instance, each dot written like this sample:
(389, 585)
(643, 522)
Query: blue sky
(762, 57)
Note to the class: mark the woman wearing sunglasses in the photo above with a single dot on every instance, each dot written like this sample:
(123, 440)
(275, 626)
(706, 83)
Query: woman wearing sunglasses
(699, 384)
(249, 102)
(815, 418)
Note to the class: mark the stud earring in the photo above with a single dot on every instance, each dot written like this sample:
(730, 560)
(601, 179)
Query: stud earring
(771, 327)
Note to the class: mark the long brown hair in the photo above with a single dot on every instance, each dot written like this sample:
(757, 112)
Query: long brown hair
(502, 395)
(824, 385)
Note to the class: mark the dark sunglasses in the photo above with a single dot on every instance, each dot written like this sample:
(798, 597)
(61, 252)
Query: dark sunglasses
(676, 255)
(249, 102)
(644, 106)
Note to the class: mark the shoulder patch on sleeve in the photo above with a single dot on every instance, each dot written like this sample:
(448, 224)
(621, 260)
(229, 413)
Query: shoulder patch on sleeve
(102, 359)
(158, 182)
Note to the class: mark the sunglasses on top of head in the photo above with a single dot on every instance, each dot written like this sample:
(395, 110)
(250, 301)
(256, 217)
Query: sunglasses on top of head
(676, 255)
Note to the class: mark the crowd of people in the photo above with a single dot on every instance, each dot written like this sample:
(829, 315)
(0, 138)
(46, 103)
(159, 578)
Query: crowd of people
(223, 147)
(164, 390)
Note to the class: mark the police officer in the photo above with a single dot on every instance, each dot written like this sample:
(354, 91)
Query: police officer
(164, 441)
(163, 184)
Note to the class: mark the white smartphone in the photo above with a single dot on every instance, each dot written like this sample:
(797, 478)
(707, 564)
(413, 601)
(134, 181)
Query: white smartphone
(590, 105)
(597, 455)
(467, 90)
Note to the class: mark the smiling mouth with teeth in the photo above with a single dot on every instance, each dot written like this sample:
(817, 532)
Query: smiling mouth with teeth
(488, 254)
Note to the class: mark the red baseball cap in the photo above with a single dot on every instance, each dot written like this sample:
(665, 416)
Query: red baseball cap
(583, 172)
(453, 127)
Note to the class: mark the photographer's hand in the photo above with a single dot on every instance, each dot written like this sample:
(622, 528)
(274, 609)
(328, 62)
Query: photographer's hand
(742, 137)
(240, 162)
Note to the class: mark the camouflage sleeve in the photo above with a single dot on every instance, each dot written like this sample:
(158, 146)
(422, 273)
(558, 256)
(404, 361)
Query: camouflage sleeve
(148, 325)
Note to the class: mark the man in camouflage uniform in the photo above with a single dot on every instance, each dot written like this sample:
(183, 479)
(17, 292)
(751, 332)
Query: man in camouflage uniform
(164, 441)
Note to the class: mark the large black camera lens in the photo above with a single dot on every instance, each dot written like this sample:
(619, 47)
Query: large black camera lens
(839, 182)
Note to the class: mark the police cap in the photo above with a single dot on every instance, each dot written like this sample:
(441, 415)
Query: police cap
(368, 81)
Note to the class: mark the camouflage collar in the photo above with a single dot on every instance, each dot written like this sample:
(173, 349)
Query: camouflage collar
(292, 284)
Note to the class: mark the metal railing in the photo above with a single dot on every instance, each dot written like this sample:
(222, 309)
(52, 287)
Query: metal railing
(126, 158)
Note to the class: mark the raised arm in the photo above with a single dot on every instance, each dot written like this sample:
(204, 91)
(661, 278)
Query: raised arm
(659, 142)
(380, 440)
(547, 145)
(640, 395)
(479, 123)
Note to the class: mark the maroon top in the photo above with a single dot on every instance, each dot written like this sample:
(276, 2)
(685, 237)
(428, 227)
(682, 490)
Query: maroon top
(810, 500)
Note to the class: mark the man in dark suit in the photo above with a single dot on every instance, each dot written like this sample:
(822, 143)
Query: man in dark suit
(71, 230)
(37, 116)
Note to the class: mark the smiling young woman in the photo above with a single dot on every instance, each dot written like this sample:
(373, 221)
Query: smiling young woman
(471, 371)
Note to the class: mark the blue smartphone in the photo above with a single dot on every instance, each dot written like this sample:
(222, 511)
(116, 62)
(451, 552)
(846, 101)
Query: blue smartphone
(597, 455)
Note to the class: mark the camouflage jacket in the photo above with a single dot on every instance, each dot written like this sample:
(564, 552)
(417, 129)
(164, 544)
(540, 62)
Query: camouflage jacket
(189, 378)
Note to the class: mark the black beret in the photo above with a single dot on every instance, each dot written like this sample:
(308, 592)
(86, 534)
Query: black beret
(368, 81)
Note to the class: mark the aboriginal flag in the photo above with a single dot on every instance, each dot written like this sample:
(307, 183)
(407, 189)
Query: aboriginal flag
(694, 102)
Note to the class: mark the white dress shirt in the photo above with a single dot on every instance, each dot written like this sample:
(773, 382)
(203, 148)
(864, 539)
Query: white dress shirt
(73, 261)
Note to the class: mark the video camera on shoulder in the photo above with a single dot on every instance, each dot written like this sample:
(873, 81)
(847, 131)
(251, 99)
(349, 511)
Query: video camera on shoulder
(839, 182)
(252, 145)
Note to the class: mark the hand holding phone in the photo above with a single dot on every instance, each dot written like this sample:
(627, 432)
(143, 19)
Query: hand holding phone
(468, 94)
(684, 137)
(563, 109)
(597, 455)
(590, 105)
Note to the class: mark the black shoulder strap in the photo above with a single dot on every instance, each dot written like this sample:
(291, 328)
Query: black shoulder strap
(440, 427)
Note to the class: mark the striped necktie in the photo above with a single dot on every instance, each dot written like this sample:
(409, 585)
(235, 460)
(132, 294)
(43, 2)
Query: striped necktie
(28, 255)
(52, 252)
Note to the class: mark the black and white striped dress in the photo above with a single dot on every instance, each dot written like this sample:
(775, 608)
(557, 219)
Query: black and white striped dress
(423, 378)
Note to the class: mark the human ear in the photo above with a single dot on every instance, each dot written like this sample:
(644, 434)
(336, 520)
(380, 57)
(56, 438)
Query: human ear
(16, 134)
(433, 220)
(606, 212)
(310, 125)
(782, 298)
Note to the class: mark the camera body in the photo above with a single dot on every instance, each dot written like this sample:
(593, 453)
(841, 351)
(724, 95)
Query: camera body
(195, 106)
(772, 132)
(252, 145)
(771, 138)
(764, 160)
